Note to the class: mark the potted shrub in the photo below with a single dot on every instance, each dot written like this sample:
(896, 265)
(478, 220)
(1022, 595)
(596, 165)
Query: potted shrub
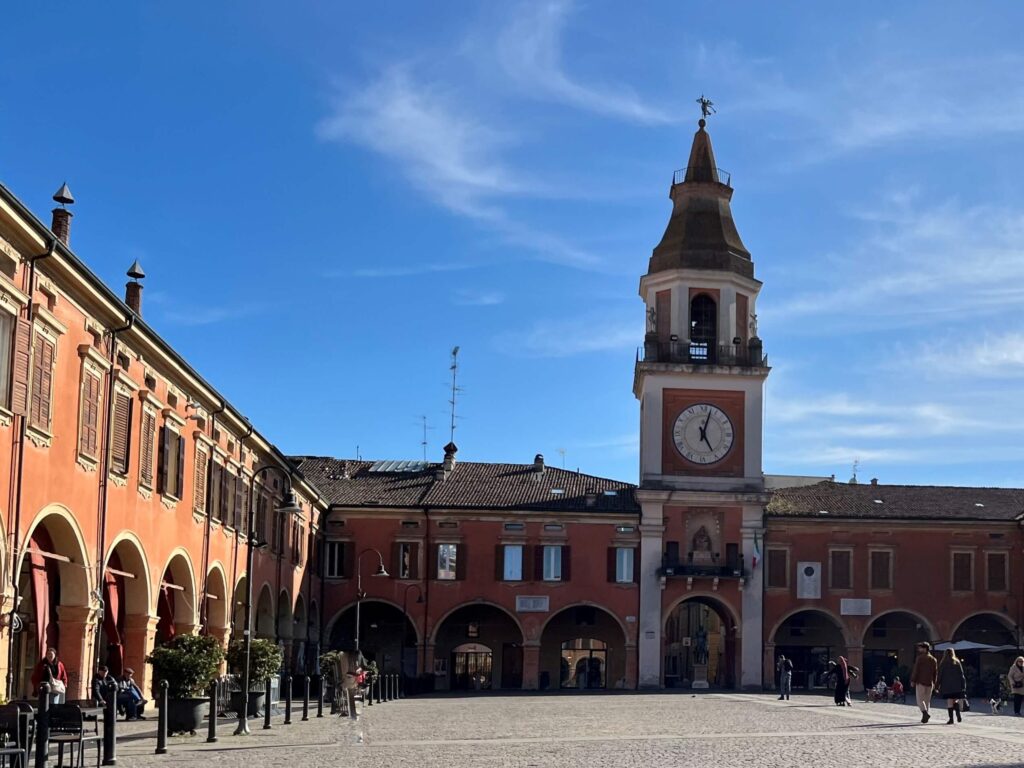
(189, 664)
(265, 658)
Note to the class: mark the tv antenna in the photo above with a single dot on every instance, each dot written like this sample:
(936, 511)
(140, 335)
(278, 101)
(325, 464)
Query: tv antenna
(454, 368)
(561, 452)
(423, 442)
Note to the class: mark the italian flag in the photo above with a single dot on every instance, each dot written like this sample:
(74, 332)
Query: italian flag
(757, 551)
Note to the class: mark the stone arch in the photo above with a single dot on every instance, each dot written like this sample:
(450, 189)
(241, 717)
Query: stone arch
(848, 638)
(448, 614)
(300, 619)
(218, 607)
(238, 607)
(329, 628)
(727, 608)
(583, 645)
(127, 547)
(176, 596)
(480, 646)
(67, 537)
(263, 613)
(694, 620)
(810, 637)
(926, 625)
(961, 629)
(285, 628)
(127, 605)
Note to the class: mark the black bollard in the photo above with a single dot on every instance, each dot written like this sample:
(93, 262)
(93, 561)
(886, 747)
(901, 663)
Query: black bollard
(43, 726)
(305, 697)
(109, 723)
(266, 705)
(319, 695)
(401, 684)
(161, 721)
(387, 688)
(211, 735)
(368, 692)
(286, 681)
(378, 689)
(391, 688)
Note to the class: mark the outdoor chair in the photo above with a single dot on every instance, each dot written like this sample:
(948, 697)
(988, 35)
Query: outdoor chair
(29, 713)
(14, 736)
(67, 727)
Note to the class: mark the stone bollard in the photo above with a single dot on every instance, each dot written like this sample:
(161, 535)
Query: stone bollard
(319, 695)
(110, 723)
(161, 722)
(266, 704)
(286, 682)
(211, 734)
(305, 698)
(43, 726)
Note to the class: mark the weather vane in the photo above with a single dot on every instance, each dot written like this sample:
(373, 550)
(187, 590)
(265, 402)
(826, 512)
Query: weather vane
(707, 106)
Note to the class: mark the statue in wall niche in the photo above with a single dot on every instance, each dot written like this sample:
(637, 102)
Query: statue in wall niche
(753, 324)
(701, 540)
(652, 320)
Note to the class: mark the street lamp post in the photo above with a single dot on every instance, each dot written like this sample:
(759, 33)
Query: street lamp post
(405, 617)
(381, 571)
(289, 505)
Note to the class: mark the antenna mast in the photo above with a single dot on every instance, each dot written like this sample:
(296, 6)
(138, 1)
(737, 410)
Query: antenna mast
(423, 442)
(454, 368)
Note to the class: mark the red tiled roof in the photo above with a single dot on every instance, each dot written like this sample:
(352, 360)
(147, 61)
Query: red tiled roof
(897, 502)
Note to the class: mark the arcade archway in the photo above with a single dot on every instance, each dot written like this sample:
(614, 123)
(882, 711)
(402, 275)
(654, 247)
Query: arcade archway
(126, 607)
(264, 619)
(385, 636)
(582, 647)
(981, 665)
(700, 644)
(890, 642)
(216, 611)
(809, 638)
(495, 659)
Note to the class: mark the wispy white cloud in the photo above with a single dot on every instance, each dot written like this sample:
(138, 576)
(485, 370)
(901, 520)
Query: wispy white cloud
(530, 50)
(989, 355)
(470, 298)
(567, 338)
(206, 315)
(411, 270)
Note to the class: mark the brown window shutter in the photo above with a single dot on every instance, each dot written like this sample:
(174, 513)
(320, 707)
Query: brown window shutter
(612, 553)
(179, 482)
(199, 479)
(414, 562)
(213, 501)
(435, 558)
(21, 368)
(461, 556)
(223, 510)
(121, 429)
(566, 563)
(499, 562)
(161, 462)
(538, 562)
(238, 502)
(348, 562)
(147, 436)
(42, 378)
(243, 520)
(92, 415)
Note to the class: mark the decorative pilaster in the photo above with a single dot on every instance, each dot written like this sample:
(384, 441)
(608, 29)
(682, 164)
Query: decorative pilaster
(531, 666)
(139, 640)
(77, 627)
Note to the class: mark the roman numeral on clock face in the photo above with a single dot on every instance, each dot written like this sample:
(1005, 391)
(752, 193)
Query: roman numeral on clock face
(703, 434)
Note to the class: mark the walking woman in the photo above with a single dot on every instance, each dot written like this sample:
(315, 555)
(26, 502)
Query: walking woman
(843, 674)
(952, 683)
(1016, 679)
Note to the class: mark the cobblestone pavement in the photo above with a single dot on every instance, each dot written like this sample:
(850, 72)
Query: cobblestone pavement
(600, 730)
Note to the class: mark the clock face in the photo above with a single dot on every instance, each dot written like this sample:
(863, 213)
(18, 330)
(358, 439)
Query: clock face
(703, 434)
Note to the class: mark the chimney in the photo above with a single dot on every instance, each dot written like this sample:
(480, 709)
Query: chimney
(449, 456)
(133, 289)
(874, 481)
(538, 463)
(61, 224)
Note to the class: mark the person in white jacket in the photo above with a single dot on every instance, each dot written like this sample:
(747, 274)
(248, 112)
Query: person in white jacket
(1016, 679)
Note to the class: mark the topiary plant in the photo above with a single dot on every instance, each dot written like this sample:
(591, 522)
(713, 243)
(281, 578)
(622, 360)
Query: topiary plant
(265, 657)
(189, 663)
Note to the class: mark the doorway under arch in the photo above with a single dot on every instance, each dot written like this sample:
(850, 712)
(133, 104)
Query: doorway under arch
(385, 636)
(700, 644)
(890, 642)
(126, 607)
(582, 647)
(480, 624)
(263, 623)
(809, 638)
(988, 628)
(176, 599)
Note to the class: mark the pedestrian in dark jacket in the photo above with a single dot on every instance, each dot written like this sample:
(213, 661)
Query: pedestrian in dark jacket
(99, 685)
(785, 668)
(952, 683)
(842, 672)
(922, 678)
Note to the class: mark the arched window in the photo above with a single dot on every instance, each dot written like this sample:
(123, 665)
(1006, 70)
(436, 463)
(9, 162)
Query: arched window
(703, 328)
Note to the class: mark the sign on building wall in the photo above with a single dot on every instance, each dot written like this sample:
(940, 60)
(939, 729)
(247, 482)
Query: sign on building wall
(526, 604)
(855, 607)
(808, 581)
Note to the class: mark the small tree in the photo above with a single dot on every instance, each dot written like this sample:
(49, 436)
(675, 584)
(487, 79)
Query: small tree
(265, 657)
(189, 663)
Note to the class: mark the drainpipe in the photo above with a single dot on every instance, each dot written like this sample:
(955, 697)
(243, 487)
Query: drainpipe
(206, 538)
(320, 605)
(19, 480)
(426, 591)
(104, 468)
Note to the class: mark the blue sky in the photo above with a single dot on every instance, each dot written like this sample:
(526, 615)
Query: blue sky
(327, 198)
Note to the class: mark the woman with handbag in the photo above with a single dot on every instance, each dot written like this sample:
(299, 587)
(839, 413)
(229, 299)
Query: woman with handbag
(51, 670)
(1016, 679)
(952, 683)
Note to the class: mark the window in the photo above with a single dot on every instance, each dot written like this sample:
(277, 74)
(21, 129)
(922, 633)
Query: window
(120, 439)
(7, 323)
(243, 504)
(297, 539)
(881, 569)
(89, 418)
(42, 383)
(147, 434)
(405, 560)
(624, 565)
(336, 559)
(777, 570)
(552, 563)
(276, 528)
(840, 569)
(703, 328)
(447, 561)
(512, 565)
(216, 491)
(202, 466)
(963, 571)
(995, 566)
(261, 518)
(227, 498)
(171, 463)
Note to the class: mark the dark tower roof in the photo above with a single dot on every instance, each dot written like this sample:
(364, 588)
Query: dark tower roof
(701, 233)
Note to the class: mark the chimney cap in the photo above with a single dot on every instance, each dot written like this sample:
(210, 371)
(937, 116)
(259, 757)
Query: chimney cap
(451, 449)
(135, 271)
(63, 195)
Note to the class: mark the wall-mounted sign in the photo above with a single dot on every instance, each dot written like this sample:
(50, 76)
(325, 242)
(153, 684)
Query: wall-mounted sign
(631, 619)
(527, 604)
(808, 581)
(855, 607)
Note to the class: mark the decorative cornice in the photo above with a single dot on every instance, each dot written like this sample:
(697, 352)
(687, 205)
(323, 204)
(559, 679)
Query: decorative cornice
(38, 437)
(42, 315)
(90, 353)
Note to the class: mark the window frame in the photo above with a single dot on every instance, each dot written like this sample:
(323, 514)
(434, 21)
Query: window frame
(970, 572)
(768, 550)
(451, 573)
(337, 545)
(872, 551)
(624, 571)
(1006, 570)
(849, 569)
(505, 550)
(550, 575)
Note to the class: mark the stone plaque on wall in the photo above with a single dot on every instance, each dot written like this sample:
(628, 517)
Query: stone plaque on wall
(855, 607)
(527, 604)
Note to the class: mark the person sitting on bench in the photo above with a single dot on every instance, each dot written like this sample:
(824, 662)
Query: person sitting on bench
(130, 696)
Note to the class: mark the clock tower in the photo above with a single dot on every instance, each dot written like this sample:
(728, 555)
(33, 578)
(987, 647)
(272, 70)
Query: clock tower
(700, 383)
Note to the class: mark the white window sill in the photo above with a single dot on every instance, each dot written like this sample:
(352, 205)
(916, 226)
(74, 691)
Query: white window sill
(39, 437)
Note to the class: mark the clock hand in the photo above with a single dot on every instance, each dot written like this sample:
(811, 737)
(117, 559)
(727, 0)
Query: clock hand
(707, 420)
(704, 437)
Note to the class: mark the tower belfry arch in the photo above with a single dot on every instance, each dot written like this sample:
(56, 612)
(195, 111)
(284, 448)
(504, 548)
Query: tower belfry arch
(700, 382)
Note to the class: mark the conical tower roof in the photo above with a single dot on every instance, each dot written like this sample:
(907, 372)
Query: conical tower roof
(701, 233)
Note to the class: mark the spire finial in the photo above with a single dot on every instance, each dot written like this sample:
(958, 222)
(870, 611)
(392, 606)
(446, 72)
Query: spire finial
(707, 107)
